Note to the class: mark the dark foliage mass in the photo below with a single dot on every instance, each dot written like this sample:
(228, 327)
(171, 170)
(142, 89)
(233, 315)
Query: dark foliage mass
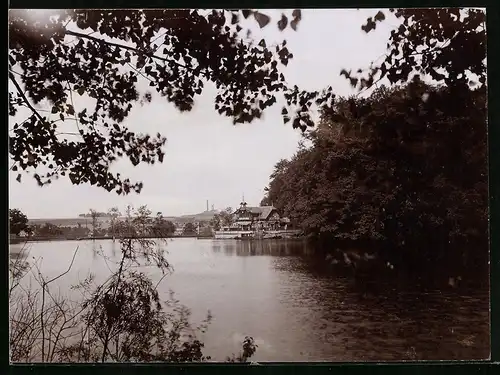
(189, 229)
(414, 183)
(223, 218)
(104, 55)
(403, 173)
(18, 221)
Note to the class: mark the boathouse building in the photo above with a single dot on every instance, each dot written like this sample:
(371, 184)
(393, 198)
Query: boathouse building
(263, 218)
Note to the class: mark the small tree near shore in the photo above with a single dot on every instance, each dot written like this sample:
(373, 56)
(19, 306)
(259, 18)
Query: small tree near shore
(18, 221)
(113, 213)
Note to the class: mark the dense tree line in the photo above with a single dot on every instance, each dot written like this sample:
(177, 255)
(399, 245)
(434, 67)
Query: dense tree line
(96, 214)
(406, 177)
(402, 174)
(150, 227)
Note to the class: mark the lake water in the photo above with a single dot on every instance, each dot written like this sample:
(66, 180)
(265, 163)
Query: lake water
(282, 295)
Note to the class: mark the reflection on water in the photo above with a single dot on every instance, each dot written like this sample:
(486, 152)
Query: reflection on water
(295, 308)
(267, 247)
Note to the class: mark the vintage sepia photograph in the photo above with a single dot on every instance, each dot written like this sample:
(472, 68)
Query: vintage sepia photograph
(248, 185)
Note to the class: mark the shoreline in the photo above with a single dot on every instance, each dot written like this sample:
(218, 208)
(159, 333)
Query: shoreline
(14, 241)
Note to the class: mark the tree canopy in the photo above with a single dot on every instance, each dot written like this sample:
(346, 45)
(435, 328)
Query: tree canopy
(407, 176)
(402, 172)
(189, 229)
(447, 45)
(105, 55)
(222, 219)
(18, 221)
(161, 227)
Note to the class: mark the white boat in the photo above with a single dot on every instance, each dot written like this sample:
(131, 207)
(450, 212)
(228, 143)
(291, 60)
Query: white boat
(231, 233)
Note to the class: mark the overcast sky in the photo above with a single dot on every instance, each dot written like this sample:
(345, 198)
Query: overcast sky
(206, 156)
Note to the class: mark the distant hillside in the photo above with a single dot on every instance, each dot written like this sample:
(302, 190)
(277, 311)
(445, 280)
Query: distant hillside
(71, 222)
(104, 221)
(203, 216)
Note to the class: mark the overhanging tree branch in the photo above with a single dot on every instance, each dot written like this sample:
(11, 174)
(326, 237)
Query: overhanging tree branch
(25, 99)
(133, 49)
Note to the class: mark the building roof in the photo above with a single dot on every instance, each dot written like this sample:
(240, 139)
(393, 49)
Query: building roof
(262, 211)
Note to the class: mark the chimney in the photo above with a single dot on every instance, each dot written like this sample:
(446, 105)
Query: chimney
(207, 204)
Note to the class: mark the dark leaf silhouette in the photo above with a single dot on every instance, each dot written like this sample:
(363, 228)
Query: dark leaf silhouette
(282, 23)
(379, 16)
(445, 44)
(246, 12)
(297, 14)
(262, 19)
(192, 50)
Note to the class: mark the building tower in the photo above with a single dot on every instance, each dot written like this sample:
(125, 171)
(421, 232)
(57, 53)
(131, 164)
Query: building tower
(243, 204)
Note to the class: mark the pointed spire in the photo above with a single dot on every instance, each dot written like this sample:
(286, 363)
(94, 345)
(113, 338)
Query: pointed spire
(243, 203)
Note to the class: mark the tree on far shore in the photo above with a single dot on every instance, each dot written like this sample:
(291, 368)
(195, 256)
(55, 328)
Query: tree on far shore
(223, 218)
(161, 228)
(18, 221)
(95, 224)
(113, 213)
(189, 229)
